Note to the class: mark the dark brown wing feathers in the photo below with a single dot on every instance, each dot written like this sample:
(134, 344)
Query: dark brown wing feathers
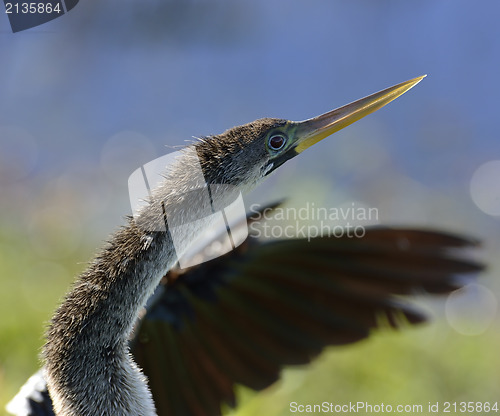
(242, 317)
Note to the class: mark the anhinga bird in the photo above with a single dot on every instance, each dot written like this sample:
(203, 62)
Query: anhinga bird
(243, 316)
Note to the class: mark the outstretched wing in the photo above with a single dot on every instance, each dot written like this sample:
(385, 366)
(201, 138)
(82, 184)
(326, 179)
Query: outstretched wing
(240, 318)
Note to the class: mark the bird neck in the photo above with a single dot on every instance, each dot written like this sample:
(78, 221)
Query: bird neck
(88, 366)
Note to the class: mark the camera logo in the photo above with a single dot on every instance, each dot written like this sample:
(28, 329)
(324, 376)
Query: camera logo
(212, 217)
(25, 14)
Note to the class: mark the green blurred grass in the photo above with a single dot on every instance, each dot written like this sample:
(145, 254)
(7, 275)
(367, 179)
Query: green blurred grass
(427, 364)
(30, 289)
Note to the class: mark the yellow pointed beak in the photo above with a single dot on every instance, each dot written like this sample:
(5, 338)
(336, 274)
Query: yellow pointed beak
(311, 131)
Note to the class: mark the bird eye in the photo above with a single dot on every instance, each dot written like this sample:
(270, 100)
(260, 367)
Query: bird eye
(277, 141)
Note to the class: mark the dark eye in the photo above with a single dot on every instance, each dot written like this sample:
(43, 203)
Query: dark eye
(277, 141)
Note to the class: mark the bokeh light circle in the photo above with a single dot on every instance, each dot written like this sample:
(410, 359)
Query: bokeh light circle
(471, 309)
(485, 187)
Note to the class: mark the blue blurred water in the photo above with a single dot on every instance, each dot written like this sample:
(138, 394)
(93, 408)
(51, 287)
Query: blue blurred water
(178, 69)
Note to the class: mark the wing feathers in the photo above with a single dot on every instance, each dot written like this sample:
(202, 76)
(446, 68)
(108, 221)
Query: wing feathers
(242, 317)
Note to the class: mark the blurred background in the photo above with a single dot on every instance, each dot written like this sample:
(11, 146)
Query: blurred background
(91, 96)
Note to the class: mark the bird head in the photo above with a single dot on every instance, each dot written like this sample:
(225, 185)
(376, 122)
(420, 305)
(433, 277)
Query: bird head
(242, 156)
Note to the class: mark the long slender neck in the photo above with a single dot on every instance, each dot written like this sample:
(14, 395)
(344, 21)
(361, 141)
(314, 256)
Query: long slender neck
(88, 368)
